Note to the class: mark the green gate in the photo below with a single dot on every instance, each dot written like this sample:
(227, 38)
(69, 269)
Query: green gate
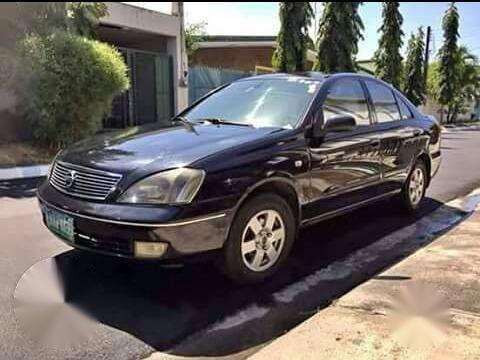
(150, 97)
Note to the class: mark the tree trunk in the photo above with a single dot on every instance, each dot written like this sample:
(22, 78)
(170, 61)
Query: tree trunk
(450, 114)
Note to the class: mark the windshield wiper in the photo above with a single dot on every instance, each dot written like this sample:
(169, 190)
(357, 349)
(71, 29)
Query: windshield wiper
(184, 121)
(217, 121)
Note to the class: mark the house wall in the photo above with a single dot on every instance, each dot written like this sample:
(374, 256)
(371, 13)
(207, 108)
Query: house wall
(236, 58)
(9, 118)
(15, 20)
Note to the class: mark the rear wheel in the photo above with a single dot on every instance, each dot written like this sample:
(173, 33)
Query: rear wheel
(414, 188)
(260, 239)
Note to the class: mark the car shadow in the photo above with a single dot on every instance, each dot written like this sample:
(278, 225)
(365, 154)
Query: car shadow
(20, 188)
(164, 306)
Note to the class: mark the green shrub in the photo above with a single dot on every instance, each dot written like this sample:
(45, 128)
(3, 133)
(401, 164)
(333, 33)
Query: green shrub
(67, 85)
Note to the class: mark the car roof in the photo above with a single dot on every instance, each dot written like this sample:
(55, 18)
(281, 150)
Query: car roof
(311, 75)
(315, 75)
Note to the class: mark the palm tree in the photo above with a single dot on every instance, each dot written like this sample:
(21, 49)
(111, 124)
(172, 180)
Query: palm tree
(469, 78)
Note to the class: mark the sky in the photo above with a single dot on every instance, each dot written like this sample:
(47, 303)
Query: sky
(261, 18)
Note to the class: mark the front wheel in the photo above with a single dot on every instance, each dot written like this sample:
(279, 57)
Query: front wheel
(260, 239)
(414, 188)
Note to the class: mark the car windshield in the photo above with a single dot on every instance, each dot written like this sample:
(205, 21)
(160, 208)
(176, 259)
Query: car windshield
(261, 102)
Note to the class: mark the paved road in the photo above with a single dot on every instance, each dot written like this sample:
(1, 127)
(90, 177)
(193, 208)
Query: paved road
(139, 308)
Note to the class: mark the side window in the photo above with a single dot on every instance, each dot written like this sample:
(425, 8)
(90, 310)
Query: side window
(383, 101)
(346, 97)
(404, 109)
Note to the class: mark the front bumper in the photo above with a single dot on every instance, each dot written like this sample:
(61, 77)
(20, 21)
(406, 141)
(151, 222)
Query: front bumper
(115, 235)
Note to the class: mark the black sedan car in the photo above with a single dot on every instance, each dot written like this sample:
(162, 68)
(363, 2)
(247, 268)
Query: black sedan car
(241, 170)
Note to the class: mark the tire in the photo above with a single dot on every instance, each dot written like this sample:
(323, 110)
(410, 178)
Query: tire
(414, 188)
(255, 250)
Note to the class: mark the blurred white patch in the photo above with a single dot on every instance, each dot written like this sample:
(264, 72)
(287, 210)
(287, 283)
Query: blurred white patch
(420, 316)
(42, 313)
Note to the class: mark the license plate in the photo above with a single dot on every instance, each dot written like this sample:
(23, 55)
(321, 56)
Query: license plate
(61, 224)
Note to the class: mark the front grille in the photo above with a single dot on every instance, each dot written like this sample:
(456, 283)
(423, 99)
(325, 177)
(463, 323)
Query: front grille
(83, 182)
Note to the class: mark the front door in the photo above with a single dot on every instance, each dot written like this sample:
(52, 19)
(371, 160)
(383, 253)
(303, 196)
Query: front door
(345, 167)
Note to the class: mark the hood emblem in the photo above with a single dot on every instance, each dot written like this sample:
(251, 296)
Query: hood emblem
(70, 179)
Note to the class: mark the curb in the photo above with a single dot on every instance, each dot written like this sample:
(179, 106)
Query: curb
(23, 172)
(452, 128)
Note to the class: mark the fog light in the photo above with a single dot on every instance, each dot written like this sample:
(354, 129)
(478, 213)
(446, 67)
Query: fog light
(149, 249)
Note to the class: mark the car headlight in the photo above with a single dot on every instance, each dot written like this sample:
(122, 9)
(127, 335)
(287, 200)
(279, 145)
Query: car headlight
(168, 187)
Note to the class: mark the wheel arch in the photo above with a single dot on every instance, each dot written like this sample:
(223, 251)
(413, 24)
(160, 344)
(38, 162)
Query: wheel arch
(281, 186)
(428, 164)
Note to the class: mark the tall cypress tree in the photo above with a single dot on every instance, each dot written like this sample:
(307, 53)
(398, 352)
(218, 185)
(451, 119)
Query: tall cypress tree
(340, 29)
(414, 86)
(292, 40)
(449, 82)
(388, 61)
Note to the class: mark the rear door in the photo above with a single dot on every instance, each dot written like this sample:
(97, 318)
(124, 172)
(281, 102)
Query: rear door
(345, 166)
(398, 133)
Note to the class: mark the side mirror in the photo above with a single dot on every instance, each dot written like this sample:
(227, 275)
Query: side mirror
(334, 124)
(339, 123)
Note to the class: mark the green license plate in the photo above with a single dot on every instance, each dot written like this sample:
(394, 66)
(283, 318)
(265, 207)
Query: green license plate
(61, 224)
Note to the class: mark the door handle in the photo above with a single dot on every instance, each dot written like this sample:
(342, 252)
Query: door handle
(375, 143)
(417, 132)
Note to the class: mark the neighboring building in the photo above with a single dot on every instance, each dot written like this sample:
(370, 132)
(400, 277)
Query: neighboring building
(366, 67)
(472, 111)
(151, 44)
(245, 53)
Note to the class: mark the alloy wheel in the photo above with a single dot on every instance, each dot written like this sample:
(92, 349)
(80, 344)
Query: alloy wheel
(262, 240)
(416, 186)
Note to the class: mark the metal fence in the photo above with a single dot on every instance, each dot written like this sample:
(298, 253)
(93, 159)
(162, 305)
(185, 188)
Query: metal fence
(201, 80)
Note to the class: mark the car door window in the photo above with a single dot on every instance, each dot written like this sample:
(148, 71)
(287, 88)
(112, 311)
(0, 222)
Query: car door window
(347, 97)
(405, 112)
(383, 101)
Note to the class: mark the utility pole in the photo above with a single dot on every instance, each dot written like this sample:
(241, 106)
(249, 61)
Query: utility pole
(427, 54)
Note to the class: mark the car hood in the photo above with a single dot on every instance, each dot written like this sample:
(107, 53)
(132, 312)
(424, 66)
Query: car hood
(155, 147)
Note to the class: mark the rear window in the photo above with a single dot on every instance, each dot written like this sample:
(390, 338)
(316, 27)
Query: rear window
(384, 102)
(405, 112)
